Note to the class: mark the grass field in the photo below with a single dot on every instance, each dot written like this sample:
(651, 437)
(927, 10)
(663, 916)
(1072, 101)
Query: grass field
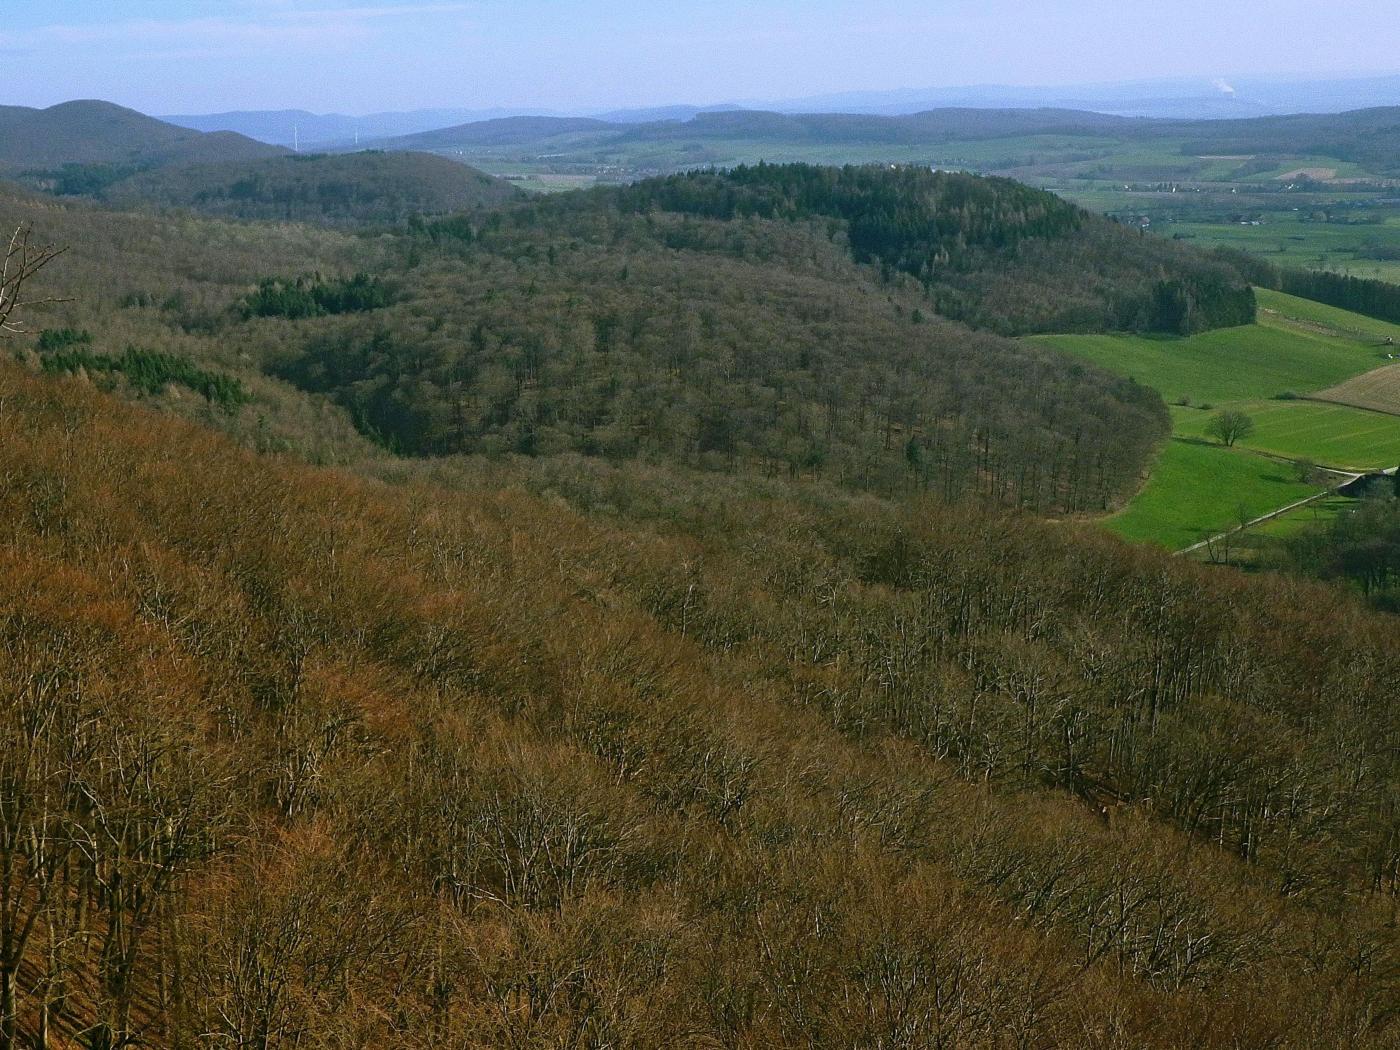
(1198, 488)
(1316, 513)
(1378, 390)
(1257, 546)
(1197, 491)
(1288, 311)
(1295, 348)
(1332, 435)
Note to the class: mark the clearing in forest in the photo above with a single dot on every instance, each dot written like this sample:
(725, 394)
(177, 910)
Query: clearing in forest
(1277, 371)
(1199, 490)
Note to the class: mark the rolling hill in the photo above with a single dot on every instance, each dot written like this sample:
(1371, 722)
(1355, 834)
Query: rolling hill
(505, 131)
(346, 189)
(750, 125)
(439, 756)
(622, 620)
(632, 328)
(1363, 136)
(289, 127)
(90, 133)
(1370, 137)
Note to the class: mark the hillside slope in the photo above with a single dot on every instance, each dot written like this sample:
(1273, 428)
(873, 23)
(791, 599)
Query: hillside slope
(99, 133)
(1367, 136)
(354, 188)
(755, 347)
(368, 765)
(992, 252)
(503, 131)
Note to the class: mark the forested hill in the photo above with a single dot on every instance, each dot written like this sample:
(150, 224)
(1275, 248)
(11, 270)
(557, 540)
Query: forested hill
(88, 133)
(702, 689)
(778, 321)
(991, 252)
(298, 759)
(749, 346)
(369, 187)
(1366, 136)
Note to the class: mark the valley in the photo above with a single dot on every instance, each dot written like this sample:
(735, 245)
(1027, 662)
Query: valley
(1321, 192)
(736, 607)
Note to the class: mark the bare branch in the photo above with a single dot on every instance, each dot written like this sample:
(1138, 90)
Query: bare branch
(22, 260)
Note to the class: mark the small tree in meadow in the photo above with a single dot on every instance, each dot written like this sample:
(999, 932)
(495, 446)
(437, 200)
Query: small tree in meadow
(1230, 426)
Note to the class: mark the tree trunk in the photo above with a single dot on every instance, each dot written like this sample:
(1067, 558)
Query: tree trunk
(8, 1007)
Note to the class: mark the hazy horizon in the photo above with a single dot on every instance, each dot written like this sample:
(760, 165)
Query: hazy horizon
(163, 56)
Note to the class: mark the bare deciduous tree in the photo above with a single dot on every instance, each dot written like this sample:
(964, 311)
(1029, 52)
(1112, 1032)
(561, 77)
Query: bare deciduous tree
(22, 260)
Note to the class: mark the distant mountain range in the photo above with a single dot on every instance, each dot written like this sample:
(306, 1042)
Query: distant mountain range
(103, 151)
(91, 132)
(1181, 99)
(298, 128)
(335, 190)
(1369, 138)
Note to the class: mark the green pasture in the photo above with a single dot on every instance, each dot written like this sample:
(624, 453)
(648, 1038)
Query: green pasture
(1317, 513)
(1333, 435)
(1259, 361)
(1199, 490)
(1330, 322)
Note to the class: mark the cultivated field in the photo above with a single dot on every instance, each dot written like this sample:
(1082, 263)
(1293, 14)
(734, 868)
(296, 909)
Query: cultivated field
(1377, 390)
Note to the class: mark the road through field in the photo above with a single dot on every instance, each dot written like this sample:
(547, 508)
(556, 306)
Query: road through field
(1345, 479)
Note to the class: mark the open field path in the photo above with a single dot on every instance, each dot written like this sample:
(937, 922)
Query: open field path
(1343, 478)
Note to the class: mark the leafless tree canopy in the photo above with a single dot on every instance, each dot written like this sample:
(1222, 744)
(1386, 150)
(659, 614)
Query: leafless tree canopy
(23, 259)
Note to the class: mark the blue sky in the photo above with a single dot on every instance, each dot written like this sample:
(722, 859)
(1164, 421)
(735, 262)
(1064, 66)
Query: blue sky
(358, 56)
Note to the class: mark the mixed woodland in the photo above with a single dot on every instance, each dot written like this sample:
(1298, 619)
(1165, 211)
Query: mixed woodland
(630, 620)
(761, 345)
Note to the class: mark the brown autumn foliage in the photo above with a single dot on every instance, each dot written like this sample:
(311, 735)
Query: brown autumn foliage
(298, 758)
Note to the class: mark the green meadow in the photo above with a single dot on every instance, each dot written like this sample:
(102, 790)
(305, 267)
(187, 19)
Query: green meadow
(1230, 364)
(1319, 512)
(1296, 347)
(1331, 435)
(1197, 491)
(1199, 488)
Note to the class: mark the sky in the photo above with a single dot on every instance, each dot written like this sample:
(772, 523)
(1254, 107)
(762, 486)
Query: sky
(194, 56)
